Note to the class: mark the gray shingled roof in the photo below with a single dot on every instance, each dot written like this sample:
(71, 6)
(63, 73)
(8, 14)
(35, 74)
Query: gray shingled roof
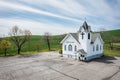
(81, 51)
(86, 27)
(75, 35)
(94, 36)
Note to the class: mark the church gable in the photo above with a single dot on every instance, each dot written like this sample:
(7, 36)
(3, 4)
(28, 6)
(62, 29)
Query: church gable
(75, 35)
(97, 41)
(71, 37)
(95, 36)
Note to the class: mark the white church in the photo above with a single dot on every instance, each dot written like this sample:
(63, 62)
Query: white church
(83, 45)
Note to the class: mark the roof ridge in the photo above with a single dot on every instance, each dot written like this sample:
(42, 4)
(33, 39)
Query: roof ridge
(75, 36)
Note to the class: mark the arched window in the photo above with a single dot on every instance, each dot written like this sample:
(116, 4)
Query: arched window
(70, 47)
(93, 48)
(65, 47)
(88, 35)
(75, 48)
(100, 47)
(97, 47)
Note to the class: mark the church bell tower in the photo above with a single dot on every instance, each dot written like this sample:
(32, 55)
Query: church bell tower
(84, 34)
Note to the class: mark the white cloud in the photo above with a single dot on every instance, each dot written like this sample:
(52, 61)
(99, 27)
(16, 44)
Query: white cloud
(71, 10)
(78, 9)
(34, 26)
(19, 7)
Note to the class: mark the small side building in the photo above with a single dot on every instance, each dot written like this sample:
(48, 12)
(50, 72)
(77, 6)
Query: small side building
(83, 45)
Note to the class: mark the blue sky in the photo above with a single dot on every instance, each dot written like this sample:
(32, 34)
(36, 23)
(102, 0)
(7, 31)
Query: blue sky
(58, 16)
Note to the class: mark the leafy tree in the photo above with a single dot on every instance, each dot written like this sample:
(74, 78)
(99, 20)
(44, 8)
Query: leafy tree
(19, 37)
(5, 45)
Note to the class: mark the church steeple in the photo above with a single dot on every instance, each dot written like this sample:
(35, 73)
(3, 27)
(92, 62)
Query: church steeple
(84, 35)
(86, 27)
(84, 32)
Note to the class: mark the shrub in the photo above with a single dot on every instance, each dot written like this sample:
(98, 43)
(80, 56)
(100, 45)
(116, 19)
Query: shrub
(60, 51)
(37, 47)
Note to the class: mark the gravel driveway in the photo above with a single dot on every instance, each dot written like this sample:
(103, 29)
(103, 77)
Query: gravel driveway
(50, 66)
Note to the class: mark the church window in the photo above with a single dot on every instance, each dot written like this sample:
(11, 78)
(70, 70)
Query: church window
(70, 47)
(88, 35)
(65, 47)
(100, 47)
(75, 48)
(93, 48)
(97, 47)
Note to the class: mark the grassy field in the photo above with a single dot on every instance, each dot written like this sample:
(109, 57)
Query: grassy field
(108, 52)
(30, 47)
(114, 52)
(107, 35)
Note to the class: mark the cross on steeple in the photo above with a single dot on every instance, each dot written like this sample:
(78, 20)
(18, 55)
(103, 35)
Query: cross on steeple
(82, 35)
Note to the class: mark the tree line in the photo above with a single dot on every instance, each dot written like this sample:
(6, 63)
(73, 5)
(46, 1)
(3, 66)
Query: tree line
(19, 37)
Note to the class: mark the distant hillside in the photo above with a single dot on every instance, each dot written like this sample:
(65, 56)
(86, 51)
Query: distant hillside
(55, 42)
(38, 40)
(107, 35)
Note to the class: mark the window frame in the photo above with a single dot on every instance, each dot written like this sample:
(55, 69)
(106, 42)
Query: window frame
(93, 48)
(65, 47)
(69, 47)
(75, 48)
(100, 47)
(88, 35)
(97, 47)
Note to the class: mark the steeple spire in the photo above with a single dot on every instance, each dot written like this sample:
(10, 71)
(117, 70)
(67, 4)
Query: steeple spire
(85, 26)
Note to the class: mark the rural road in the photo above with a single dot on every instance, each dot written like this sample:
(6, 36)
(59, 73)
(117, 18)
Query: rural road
(50, 66)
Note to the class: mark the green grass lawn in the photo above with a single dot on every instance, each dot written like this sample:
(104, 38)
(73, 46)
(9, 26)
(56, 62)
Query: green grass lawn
(108, 52)
(30, 46)
(109, 34)
(114, 52)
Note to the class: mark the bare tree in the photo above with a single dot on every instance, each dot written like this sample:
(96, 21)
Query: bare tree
(112, 41)
(19, 37)
(47, 39)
